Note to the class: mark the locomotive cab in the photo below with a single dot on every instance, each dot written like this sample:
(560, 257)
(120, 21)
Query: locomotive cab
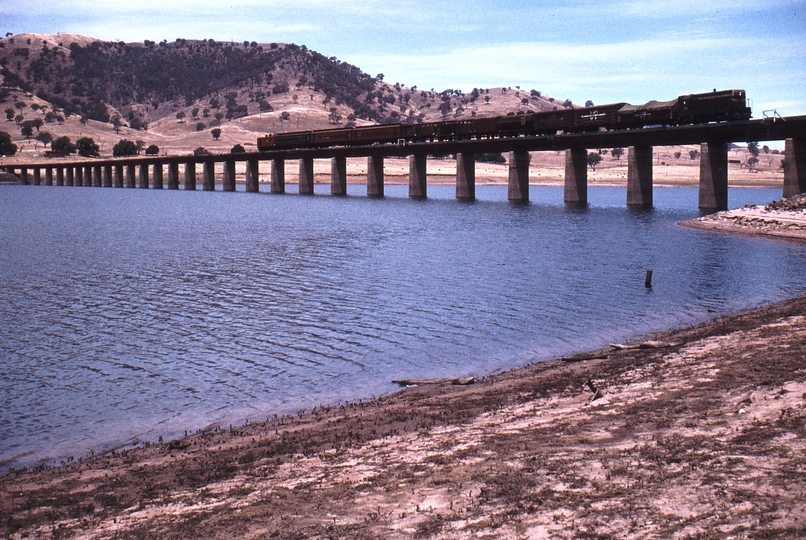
(266, 142)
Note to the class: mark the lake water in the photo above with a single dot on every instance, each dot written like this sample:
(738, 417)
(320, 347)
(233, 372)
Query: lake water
(128, 314)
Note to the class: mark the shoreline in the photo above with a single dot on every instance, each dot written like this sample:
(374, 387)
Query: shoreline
(783, 219)
(703, 433)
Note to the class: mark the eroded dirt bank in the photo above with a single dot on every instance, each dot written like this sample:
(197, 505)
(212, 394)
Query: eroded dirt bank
(705, 436)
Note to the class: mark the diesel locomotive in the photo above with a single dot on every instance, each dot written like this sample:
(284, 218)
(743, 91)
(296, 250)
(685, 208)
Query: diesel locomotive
(726, 105)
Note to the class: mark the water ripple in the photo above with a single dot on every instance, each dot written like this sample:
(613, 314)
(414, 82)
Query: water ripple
(129, 315)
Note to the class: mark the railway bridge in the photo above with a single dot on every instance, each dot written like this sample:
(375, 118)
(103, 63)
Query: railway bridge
(145, 172)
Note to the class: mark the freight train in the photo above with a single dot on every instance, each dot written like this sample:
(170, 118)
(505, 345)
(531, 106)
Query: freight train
(726, 105)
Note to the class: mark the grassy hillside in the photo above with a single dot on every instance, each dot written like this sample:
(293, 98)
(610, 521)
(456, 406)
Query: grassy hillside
(175, 93)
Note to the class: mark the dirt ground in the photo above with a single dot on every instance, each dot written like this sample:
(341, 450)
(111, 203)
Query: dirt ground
(698, 433)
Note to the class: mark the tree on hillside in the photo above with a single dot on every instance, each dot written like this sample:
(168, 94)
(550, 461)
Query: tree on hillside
(152, 150)
(200, 126)
(124, 148)
(86, 147)
(116, 122)
(752, 147)
(594, 159)
(694, 154)
(589, 103)
(10, 114)
(7, 148)
(180, 116)
(216, 133)
(63, 145)
(44, 137)
(237, 149)
(617, 153)
(27, 129)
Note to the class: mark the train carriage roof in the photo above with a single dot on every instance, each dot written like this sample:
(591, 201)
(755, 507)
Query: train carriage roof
(648, 106)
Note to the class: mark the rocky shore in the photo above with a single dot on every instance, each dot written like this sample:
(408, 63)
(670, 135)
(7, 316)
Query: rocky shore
(785, 218)
(698, 432)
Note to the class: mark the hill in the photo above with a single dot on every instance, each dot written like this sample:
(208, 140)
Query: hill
(173, 94)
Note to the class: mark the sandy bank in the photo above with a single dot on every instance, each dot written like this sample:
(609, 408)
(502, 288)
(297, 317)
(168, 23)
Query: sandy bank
(782, 219)
(703, 436)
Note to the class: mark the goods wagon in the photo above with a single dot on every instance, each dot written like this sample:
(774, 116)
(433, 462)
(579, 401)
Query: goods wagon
(726, 105)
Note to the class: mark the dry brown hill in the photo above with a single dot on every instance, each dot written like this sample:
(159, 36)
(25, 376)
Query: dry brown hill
(173, 94)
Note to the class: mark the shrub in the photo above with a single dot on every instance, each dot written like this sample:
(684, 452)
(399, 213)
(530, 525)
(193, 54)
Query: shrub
(237, 149)
(87, 147)
(152, 150)
(124, 148)
(7, 148)
(63, 145)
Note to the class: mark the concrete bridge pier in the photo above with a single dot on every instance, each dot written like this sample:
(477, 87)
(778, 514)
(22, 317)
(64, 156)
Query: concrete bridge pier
(173, 175)
(639, 176)
(713, 176)
(97, 176)
(118, 180)
(252, 176)
(375, 176)
(338, 176)
(68, 176)
(24, 176)
(277, 175)
(158, 177)
(306, 176)
(518, 190)
(78, 177)
(48, 176)
(190, 175)
(466, 176)
(229, 175)
(60, 176)
(88, 175)
(418, 185)
(208, 176)
(576, 177)
(131, 175)
(107, 178)
(37, 181)
(142, 176)
(794, 167)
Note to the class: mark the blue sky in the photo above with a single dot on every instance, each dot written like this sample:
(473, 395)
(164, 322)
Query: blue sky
(622, 50)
